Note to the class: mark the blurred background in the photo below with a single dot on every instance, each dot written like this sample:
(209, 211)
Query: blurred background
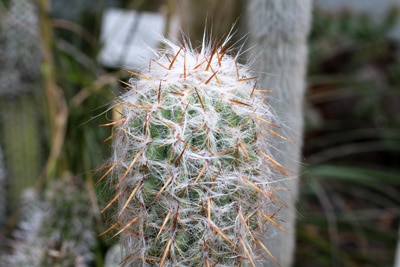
(60, 66)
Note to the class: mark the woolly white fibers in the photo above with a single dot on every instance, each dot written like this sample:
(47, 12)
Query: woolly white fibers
(192, 163)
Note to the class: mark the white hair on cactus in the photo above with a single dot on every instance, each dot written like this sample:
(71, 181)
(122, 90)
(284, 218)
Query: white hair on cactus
(56, 231)
(192, 162)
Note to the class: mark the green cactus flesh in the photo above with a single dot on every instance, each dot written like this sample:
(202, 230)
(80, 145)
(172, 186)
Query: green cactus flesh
(192, 165)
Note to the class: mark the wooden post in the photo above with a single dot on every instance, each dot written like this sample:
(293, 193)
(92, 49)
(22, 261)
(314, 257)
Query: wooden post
(278, 31)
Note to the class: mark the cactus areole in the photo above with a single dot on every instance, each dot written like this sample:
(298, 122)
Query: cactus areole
(192, 166)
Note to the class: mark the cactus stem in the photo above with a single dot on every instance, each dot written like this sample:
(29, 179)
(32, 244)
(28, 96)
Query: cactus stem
(193, 167)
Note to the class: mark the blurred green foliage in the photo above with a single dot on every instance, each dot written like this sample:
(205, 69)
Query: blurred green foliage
(349, 207)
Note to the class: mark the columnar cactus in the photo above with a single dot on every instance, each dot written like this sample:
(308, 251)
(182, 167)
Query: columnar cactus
(192, 163)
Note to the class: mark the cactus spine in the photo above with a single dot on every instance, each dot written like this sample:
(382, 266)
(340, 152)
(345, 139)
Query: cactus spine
(192, 163)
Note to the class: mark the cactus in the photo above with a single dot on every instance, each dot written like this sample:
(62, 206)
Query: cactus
(56, 231)
(20, 90)
(191, 163)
